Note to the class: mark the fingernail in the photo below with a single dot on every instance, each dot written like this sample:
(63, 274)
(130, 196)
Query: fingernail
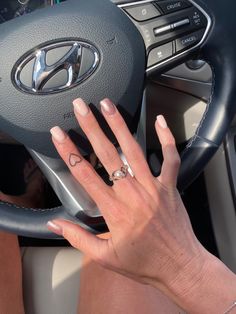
(108, 106)
(54, 227)
(161, 121)
(58, 134)
(81, 107)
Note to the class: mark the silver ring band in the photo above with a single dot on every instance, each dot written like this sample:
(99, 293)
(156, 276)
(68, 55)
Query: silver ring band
(119, 174)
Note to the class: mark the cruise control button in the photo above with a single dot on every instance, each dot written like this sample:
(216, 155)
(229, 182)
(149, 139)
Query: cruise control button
(180, 23)
(167, 28)
(160, 53)
(172, 6)
(161, 30)
(143, 12)
(189, 40)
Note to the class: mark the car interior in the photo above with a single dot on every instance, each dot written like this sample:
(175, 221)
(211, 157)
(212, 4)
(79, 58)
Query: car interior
(175, 58)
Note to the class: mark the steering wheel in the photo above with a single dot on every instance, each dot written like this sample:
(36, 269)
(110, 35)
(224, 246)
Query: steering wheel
(96, 49)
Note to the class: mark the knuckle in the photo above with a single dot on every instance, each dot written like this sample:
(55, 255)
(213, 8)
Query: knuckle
(85, 174)
(176, 161)
(108, 156)
(135, 153)
(74, 239)
(119, 123)
(90, 126)
(171, 137)
(171, 150)
(171, 142)
(133, 157)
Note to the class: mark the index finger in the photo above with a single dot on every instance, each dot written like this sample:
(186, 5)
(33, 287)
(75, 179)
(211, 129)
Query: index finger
(83, 172)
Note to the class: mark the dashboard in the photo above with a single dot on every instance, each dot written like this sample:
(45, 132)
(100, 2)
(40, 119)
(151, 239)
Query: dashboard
(10, 9)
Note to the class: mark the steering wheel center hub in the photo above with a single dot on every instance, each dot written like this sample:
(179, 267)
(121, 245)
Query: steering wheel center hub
(84, 49)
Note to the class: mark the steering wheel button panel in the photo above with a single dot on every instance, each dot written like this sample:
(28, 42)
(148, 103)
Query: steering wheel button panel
(183, 23)
(143, 12)
(189, 40)
(172, 6)
(159, 54)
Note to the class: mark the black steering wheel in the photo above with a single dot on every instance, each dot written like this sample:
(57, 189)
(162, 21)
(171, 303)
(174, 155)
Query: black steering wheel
(96, 49)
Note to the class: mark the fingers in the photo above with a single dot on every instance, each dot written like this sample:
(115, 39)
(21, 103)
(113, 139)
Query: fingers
(171, 162)
(79, 238)
(129, 146)
(80, 168)
(104, 149)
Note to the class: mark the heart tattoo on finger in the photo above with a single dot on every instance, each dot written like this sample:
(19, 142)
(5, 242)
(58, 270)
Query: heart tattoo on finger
(74, 159)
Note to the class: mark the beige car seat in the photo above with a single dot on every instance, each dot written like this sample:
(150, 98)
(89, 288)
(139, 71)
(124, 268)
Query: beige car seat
(51, 280)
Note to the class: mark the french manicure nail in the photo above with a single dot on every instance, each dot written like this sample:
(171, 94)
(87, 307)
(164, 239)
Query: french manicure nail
(161, 121)
(54, 227)
(58, 134)
(81, 107)
(108, 106)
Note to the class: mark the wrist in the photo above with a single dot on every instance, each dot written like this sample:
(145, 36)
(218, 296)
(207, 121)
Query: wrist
(204, 286)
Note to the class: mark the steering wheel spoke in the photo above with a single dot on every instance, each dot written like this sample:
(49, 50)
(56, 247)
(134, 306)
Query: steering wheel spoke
(72, 196)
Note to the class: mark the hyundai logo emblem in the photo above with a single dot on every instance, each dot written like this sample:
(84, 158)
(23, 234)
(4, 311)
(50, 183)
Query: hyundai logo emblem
(71, 63)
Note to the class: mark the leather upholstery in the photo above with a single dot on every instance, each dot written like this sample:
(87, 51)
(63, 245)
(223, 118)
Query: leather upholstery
(32, 222)
(51, 280)
(219, 51)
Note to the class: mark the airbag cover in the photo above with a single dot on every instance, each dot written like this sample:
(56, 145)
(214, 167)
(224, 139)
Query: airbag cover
(119, 72)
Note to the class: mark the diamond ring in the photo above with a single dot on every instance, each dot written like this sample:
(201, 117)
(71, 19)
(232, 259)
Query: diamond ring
(119, 174)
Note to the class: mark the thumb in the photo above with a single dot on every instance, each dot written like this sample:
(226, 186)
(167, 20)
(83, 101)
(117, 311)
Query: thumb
(81, 239)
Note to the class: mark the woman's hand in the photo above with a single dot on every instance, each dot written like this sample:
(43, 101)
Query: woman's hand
(150, 233)
(151, 238)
